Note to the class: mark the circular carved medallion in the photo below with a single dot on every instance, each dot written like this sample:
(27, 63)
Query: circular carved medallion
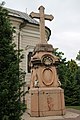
(47, 76)
(47, 60)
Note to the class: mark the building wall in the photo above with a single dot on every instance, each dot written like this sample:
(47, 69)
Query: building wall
(29, 38)
(26, 37)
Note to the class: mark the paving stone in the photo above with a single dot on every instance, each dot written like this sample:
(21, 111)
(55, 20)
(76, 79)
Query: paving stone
(71, 114)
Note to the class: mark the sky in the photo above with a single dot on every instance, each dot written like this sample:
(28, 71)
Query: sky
(65, 28)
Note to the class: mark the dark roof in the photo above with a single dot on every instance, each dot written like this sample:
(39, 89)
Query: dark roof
(22, 15)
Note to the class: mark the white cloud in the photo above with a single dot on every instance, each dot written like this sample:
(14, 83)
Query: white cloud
(68, 42)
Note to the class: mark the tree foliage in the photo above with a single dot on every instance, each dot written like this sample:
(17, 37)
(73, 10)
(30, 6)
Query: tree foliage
(11, 77)
(78, 56)
(69, 72)
(62, 66)
(71, 88)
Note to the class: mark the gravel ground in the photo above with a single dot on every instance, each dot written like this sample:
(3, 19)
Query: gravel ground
(74, 111)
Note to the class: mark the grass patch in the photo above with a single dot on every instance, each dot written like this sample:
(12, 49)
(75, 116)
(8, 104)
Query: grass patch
(74, 107)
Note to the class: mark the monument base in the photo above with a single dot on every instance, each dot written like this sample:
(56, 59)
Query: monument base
(46, 102)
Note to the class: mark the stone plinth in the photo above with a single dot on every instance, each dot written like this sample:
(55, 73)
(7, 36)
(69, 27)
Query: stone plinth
(33, 102)
(46, 102)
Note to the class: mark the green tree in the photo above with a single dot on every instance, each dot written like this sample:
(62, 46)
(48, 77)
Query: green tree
(67, 72)
(11, 77)
(78, 73)
(61, 67)
(78, 56)
(71, 88)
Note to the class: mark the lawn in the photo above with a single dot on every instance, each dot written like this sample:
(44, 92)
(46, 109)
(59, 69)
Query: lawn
(74, 107)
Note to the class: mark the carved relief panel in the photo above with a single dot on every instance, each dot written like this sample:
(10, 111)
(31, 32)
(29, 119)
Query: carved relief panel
(43, 70)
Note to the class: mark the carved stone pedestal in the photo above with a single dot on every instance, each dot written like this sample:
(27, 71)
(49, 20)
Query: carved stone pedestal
(46, 102)
(45, 95)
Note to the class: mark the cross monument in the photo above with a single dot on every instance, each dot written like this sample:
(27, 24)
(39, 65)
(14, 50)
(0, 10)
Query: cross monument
(46, 97)
(42, 17)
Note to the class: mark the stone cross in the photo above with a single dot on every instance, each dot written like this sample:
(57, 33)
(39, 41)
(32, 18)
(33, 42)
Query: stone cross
(42, 18)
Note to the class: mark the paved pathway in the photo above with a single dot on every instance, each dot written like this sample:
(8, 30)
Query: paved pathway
(71, 114)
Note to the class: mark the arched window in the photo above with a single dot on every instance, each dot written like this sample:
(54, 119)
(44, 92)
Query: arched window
(28, 61)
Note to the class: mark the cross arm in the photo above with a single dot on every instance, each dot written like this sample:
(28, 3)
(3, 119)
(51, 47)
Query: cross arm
(34, 15)
(49, 17)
